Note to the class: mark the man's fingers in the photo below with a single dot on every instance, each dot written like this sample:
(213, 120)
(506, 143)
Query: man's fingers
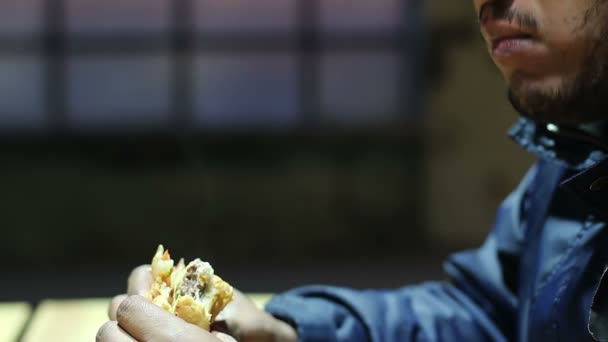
(224, 337)
(145, 321)
(140, 281)
(236, 307)
(114, 304)
(111, 332)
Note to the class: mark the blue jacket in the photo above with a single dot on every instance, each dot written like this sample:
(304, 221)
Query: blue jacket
(534, 279)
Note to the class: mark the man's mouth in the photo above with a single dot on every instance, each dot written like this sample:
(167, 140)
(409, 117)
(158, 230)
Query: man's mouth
(510, 44)
(508, 40)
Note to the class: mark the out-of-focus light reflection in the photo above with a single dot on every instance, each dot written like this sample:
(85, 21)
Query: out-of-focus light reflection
(361, 15)
(230, 89)
(119, 91)
(359, 88)
(245, 15)
(242, 90)
(22, 97)
(21, 17)
(118, 16)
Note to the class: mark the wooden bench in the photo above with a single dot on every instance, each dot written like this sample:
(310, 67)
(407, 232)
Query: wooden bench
(13, 317)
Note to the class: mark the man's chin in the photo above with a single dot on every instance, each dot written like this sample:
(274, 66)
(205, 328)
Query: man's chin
(558, 108)
(541, 108)
(560, 99)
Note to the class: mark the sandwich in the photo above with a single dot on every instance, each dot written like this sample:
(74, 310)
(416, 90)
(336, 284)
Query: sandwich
(192, 292)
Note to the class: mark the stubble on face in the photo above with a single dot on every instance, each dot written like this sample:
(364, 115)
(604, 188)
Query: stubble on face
(578, 98)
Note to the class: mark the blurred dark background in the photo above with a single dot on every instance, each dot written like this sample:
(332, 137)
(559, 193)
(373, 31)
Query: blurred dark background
(353, 142)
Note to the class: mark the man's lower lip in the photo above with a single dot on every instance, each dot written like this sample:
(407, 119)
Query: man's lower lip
(512, 48)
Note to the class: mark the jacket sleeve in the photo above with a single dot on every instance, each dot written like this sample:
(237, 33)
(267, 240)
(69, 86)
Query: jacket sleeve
(476, 304)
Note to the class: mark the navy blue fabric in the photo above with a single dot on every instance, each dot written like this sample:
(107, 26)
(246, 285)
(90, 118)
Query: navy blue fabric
(533, 279)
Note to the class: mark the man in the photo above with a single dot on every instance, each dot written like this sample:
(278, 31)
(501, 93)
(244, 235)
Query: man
(536, 276)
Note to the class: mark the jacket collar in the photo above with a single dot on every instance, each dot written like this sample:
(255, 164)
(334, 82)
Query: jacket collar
(566, 146)
(584, 157)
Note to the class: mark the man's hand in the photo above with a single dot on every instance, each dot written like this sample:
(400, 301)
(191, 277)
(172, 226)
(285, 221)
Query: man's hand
(243, 320)
(139, 283)
(140, 320)
(240, 319)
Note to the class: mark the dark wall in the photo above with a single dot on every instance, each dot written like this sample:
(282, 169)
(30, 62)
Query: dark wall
(69, 204)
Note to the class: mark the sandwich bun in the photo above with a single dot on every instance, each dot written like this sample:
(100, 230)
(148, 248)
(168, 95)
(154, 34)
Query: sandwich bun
(192, 292)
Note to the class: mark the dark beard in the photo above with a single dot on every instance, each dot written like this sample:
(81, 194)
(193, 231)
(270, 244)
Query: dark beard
(584, 99)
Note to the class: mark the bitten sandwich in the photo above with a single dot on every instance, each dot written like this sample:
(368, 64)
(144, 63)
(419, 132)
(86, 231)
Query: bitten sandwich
(192, 292)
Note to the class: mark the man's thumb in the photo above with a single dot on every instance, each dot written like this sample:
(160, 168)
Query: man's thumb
(223, 337)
